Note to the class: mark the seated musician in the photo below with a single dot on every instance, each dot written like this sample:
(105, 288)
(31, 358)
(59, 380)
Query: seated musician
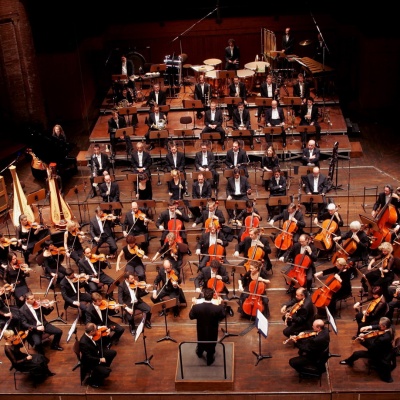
(176, 186)
(236, 157)
(213, 212)
(310, 154)
(303, 255)
(317, 183)
(383, 198)
(236, 89)
(276, 187)
(376, 308)
(168, 279)
(205, 161)
(298, 313)
(212, 236)
(269, 90)
(175, 161)
(309, 117)
(342, 273)
(145, 190)
(213, 276)
(247, 218)
(101, 231)
(141, 160)
(301, 89)
(275, 116)
(213, 121)
(133, 255)
(201, 189)
(115, 122)
(52, 259)
(241, 121)
(126, 99)
(202, 91)
(73, 238)
(268, 162)
(157, 121)
(109, 191)
(237, 188)
(130, 295)
(157, 96)
(377, 338)
(99, 162)
(394, 301)
(9, 314)
(173, 251)
(7, 245)
(257, 275)
(249, 248)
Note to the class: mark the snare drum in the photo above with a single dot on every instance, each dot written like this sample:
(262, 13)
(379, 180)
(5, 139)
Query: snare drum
(246, 76)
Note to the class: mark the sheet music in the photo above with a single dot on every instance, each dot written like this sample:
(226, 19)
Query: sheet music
(262, 323)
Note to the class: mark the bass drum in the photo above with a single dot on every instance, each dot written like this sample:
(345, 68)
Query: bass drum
(138, 61)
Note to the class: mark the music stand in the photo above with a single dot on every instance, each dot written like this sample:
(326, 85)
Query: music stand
(126, 112)
(162, 306)
(119, 77)
(272, 130)
(184, 134)
(225, 74)
(197, 202)
(38, 245)
(235, 204)
(243, 134)
(206, 174)
(292, 101)
(228, 173)
(263, 101)
(76, 190)
(112, 205)
(262, 326)
(158, 135)
(306, 129)
(225, 331)
(138, 332)
(211, 136)
(147, 204)
(369, 222)
(267, 175)
(160, 68)
(312, 199)
(193, 105)
(36, 196)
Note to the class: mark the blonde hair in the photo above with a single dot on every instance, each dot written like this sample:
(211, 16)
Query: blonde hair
(386, 246)
(8, 333)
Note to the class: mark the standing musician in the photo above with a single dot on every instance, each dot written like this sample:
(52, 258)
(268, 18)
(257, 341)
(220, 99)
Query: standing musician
(308, 255)
(99, 163)
(249, 248)
(73, 238)
(298, 313)
(236, 157)
(33, 314)
(313, 348)
(248, 214)
(99, 312)
(212, 236)
(214, 276)
(167, 217)
(237, 89)
(52, 259)
(101, 230)
(205, 161)
(92, 265)
(136, 223)
(169, 280)
(95, 358)
(202, 91)
(276, 187)
(376, 308)
(383, 198)
(342, 273)
(379, 348)
(172, 251)
(212, 213)
(237, 188)
(130, 294)
(213, 121)
(133, 256)
(141, 160)
(258, 275)
(232, 55)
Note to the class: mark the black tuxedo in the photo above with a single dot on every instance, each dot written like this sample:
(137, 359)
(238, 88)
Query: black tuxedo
(313, 120)
(297, 91)
(180, 162)
(205, 193)
(203, 95)
(113, 125)
(84, 267)
(146, 162)
(302, 320)
(323, 184)
(205, 215)
(114, 192)
(95, 167)
(232, 93)
(244, 246)
(152, 121)
(204, 276)
(210, 161)
(204, 245)
(232, 55)
(218, 120)
(264, 94)
(269, 121)
(70, 295)
(244, 187)
(298, 215)
(162, 98)
(305, 158)
(246, 119)
(107, 235)
(277, 188)
(241, 159)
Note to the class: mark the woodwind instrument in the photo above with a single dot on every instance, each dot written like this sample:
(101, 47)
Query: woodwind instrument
(20, 205)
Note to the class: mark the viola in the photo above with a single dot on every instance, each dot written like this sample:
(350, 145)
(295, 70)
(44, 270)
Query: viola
(349, 247)
(254, 302)
(21, 335)
(371, 307)
(294, 310)
(139, 285)
(101, 332)
(108, 217)
(322, 296)
(43, 303)
(136, 251)
(285, 239)
(250, 222)
(172, 276)
(98, 257)
(80, 278)
(301, 263)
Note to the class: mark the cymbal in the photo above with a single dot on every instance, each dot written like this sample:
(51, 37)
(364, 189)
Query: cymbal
(202, 68)
(305, 42)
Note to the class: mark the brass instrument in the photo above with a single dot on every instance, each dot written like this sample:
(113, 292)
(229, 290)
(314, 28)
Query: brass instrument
(160, 124)
(124, 103)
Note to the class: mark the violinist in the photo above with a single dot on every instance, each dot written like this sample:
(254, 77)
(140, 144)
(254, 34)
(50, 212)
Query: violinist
(134, 257)
(15, 275)
(381, 269)
(384, 197)
(213, 236)
(93, 266)
(306, 253)
(276, 187)
(95, 359)
(376, 308)
(313, 350)
(33, 318)
(342, 273)
(214, 276)
(394, 301)
(101, 231)
(256, 274)
(298, 313)
(253, 216)
(248, 247)
(6, 245)
(172, 251)
(212, 213)
(378, 343)
(176, 186)
(136, 223)
(237, 188)
(52, 259)
(130, 295)
(99, 313)
(169, 280)
(73, 238)
(35, 364)
(8, 313)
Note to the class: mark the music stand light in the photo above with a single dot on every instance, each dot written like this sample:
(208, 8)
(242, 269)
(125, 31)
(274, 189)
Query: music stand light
(193, 105)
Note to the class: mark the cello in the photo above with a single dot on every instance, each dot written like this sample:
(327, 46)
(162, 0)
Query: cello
(255, 253)
(349, 247)
(298, 272)
(329, 227)
(322, 296)
(251, 221)
(254, 302)
(175, 225)
(285, 239)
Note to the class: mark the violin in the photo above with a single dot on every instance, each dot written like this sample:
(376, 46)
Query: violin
(140, 285)
(142, 216)
(173, 277)
(80, 278)
(43, 303)
(251, 221)
(111, 305)
(302, 335)
(22, 266)
(322, 296)
(5, 242)
(371, 334)
(293, 310)
(58, 251)
(21, 335)
(98, 257)
(137, 251)
(101, 332)
(6, 288)
(174, 250)
(34, 225)
(254, 302)
(108, 217)
(371, 307)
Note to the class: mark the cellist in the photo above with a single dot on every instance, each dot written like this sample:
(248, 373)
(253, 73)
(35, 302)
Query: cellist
(249, 214)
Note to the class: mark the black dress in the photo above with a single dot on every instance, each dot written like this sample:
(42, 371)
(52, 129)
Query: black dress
(177, 193)
(145, 194)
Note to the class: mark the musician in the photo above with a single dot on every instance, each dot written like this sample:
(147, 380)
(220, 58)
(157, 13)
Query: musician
(141, 160)
(126, 98)
(379, 348)
(99, 162)
(115, 122)
(342, 273)
(213, 235)
(202, 91)
(249, 211)
(301, 89)
(269, 90)
(212, 212)
(175, 161)
(168, 215)
(99, 313)
(268, 162)
(16, 276)
(157, 97)
(155, 121)
(93, 267)
(303, 247)
(275, 116)
(298, 313)
(33, 318)
(176, 186)
(9, 314)
(169, 280)
(133, 256)
(130, 295)
(232, 55)
(136, 223)
(276, 187)
(52, 259)
(213, 120)
(201, 189)
(254, 241)
(58, 133)
(311, 154)
(236, 157)
(94, 357)
(238, 188)
(288, 45)
(394, 301)
(205, 161)
(317, 183)
(376, 308)
(5, 246)
(145, 190)
(101, 230)
(172, 251)
(294, 214)
(313, 350)
(383, 198)
(309, 117)
(29, 234)
(257, 273)
(236, 89)
(241, 120)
